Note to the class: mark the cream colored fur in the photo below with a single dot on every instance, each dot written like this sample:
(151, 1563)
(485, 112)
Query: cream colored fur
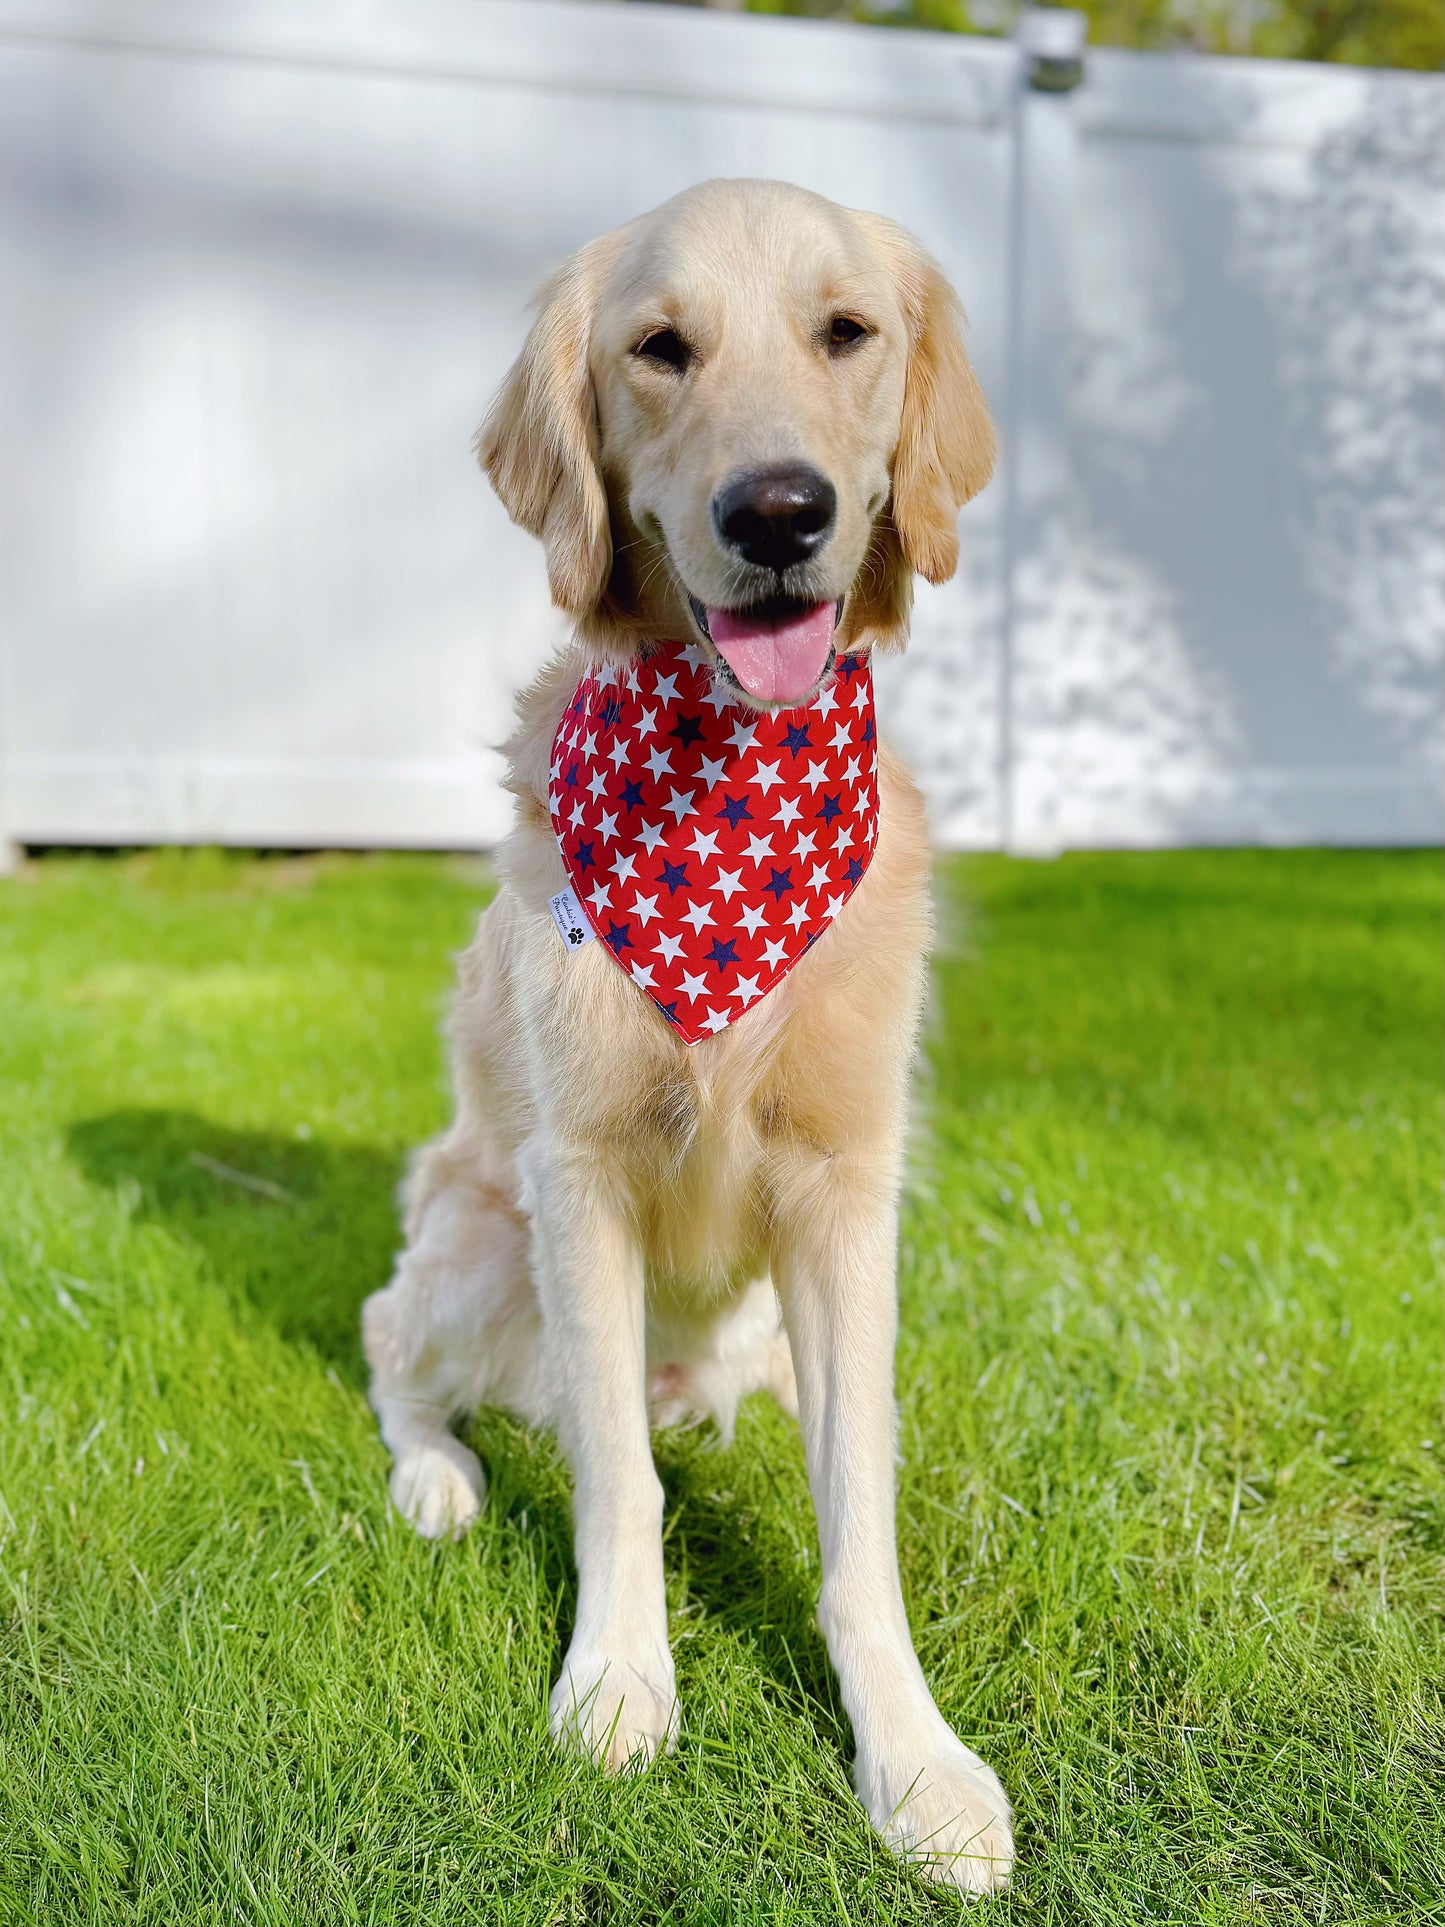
(619, 1230)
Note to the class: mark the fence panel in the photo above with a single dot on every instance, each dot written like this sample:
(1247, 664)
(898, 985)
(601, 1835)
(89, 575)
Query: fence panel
(1249, 643)
(265, 266)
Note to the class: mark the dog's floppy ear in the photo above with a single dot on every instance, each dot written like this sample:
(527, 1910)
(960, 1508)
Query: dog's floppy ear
(946, 443)
(539, 442)
(945, 450)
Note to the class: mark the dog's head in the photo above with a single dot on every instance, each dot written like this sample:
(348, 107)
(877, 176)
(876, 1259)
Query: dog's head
(745, 418)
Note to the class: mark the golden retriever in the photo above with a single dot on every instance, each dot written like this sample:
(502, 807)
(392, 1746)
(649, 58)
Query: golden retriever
(618, 1228)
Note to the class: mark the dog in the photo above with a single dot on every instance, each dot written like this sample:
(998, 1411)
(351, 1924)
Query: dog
(739, 425)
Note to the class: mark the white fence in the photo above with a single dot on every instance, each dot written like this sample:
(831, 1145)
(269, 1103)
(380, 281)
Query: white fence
(261, 264)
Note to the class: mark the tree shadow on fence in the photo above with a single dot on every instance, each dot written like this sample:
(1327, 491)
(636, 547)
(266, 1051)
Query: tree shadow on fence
(301, 1230)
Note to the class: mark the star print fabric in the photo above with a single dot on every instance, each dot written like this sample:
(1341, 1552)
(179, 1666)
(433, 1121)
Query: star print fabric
(712, 845)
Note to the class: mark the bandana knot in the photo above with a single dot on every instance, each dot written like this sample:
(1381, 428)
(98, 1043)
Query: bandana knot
(708, 844)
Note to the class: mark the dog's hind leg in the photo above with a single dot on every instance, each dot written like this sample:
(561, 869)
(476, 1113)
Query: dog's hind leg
(457, 1327)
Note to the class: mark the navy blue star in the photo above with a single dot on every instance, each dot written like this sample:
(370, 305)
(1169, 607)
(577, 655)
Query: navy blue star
(850, 666)
(830, 807)
(610, 711)
(780, 883)
(573, 776)
(585, 858)
(868, 731)
(722, 953)
(797, 738)
(618, 938)
(631, 794)
(687, 729)
(674, 875)
(735, 809)
(854, 872)
(813, 936)
(668, 1010)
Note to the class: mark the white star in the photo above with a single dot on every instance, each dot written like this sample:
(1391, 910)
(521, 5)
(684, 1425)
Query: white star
(698, 915)
(666, 689)
(714, 768)
(860, 696)
(717, 699)
(819, 876)
(750, 916)
(833, 906)
(766, 777)
(693, 987)
(642, 976)
(576, 813)
(788, 810)
(598, 783)
(797, 916)
(728, 883)
(650, 835)
(807, 844)
(618, 752)
(644, 907)
(667, 947)
(814, 775)
(842, 736)
(827, 700)
(660, 761)
(745, 989)
(704, 843)
(607, 826)
(680, 803)
(589, 748)
(694, 655)
(716, 1020)
(606, 676)
(601, 896)
(843, 840)
(742, 737)
(773, 949)
(862, 806)
(852, 774)
(625, 867)
(759, 847)
(647, 722)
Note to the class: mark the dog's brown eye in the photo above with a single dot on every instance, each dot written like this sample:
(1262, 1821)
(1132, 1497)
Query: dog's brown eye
(664, 344)
(845, 333)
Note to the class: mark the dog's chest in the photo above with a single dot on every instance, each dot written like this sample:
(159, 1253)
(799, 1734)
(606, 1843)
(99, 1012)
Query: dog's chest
(704, 1177)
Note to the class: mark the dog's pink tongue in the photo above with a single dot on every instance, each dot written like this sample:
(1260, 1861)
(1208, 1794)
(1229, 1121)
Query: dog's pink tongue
(776, 662)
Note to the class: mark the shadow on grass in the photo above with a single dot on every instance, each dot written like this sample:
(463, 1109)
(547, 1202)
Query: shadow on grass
(304, 1230)
(301, 1230)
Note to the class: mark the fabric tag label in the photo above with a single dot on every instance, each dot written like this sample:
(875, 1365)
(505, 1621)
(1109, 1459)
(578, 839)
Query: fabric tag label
(567, 915)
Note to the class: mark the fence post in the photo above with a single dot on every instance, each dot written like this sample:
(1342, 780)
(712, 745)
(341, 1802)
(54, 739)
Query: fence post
(1051, 45)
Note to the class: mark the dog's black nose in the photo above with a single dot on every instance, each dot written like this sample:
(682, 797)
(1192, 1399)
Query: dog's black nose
(775, 517)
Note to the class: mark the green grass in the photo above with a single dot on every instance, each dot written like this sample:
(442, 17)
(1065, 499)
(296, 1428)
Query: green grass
(1169, 1373)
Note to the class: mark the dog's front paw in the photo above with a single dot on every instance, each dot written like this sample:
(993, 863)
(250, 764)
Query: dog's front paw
(617, 1712)
(438, 1487)
(946, 1813)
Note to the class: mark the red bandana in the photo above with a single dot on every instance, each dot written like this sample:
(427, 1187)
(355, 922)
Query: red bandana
(710, 844)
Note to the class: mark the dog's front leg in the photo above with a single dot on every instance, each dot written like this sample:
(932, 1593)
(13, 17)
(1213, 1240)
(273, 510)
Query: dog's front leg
(930, 1797)
(616, 1697)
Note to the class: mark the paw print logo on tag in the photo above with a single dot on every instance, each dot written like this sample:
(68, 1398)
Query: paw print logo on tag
(571, 923)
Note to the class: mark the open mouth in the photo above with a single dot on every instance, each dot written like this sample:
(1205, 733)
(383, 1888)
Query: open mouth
(777, 650)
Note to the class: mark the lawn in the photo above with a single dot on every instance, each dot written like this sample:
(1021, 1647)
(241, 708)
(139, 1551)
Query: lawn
(1169, 1380)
